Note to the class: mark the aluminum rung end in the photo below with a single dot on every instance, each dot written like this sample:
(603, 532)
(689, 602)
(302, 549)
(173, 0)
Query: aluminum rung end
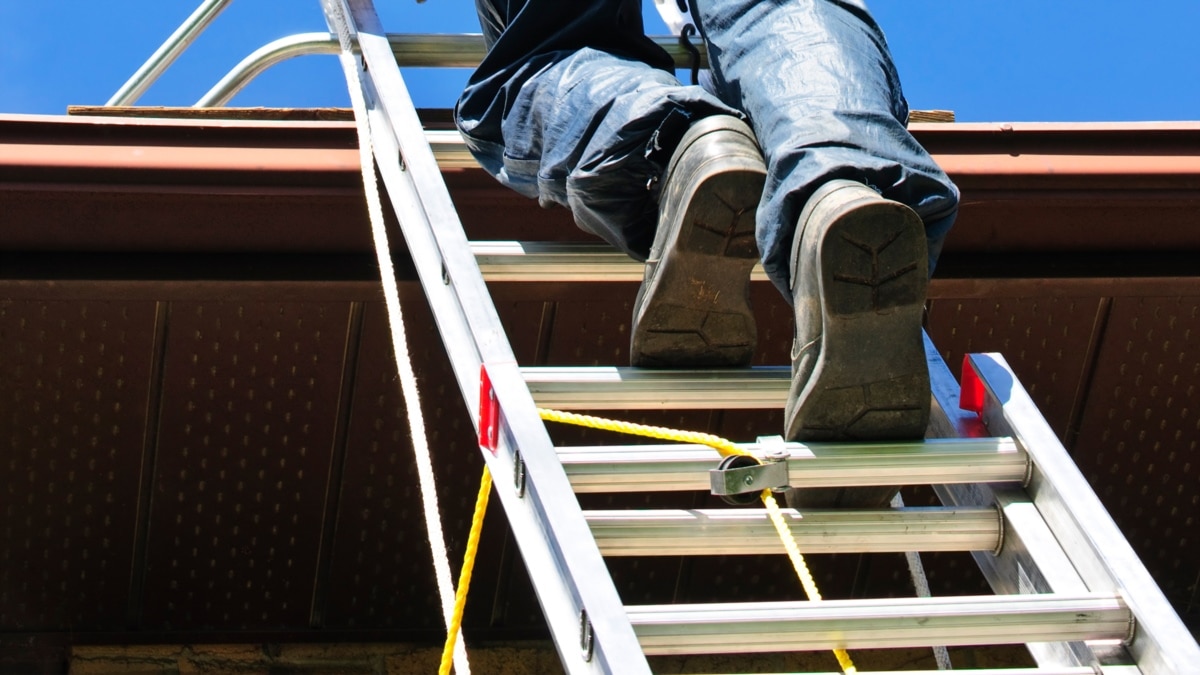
(878, 624)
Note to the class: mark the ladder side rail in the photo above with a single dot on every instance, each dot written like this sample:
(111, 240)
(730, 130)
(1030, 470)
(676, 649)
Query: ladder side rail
(1029, 559)
(1104, 558)
(1033, 561)
(565, 566)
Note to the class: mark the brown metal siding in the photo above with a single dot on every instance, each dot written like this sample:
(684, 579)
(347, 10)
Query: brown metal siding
(75, 380)
(283, 495)
(249, 407)
(1046, 339)
(1139, 441)
(133, 448)
(381, 576)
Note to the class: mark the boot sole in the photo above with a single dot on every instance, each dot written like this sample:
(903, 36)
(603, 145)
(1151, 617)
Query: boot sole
(694, 305)
(870, 380)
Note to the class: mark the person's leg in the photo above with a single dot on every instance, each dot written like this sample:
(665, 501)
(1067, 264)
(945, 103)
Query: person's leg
(572, 108)
(823, 96)
(817, 81)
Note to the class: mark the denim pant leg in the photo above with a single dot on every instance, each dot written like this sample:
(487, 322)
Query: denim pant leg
(593, 133)
(590, 122)
(817, 81)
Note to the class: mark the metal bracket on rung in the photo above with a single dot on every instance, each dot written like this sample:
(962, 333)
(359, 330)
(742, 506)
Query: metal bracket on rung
(739, 477)
(750, 478)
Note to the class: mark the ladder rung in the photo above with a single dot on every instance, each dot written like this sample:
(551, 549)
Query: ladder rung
(750, 531)
(441, 50)
(560, 262)
(612, 388)
(1051, 670)
(642, 468)
(877, 624)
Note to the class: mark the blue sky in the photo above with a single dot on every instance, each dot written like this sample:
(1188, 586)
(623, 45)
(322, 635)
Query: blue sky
(988, 60)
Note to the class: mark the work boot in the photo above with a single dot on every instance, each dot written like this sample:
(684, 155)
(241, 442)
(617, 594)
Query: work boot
(693, 309)
(859, 274)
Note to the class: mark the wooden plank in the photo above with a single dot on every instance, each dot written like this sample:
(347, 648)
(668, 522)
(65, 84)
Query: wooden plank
(316, 114)
(288, 114)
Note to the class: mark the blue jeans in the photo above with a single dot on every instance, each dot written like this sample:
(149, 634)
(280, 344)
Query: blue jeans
(573, 105)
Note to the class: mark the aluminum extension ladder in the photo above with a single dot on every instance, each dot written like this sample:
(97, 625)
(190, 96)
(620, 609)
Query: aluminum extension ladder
(1066, 581)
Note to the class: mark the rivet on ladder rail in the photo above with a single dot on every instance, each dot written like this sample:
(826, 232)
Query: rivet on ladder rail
(586, 636)
(1002, 530)
(518, 473)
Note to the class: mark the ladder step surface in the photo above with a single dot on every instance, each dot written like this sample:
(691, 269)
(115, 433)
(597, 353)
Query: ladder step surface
(619, 388)
(643, 468)
(1065, 670)
(877, 624)
(544, 262)
(751, 532)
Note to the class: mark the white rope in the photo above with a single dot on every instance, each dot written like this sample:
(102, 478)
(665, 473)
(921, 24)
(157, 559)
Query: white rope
(408, 381)
(916, 570)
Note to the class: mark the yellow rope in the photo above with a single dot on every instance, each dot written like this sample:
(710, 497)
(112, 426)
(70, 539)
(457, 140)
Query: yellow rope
(801, 567)
(721, 445)
(464, 577)
(726, 448)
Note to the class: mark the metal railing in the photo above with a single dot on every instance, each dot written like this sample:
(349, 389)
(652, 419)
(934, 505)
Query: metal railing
(411, 51)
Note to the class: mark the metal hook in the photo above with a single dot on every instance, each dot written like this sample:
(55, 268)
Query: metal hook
(693, 53)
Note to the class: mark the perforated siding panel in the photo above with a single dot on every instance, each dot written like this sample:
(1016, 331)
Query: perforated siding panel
(250, 402)
(1139, 444)
(74, 380)
(180, 365)
(591, 333)
(773, 316)
(382, 571)
(526, 323)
